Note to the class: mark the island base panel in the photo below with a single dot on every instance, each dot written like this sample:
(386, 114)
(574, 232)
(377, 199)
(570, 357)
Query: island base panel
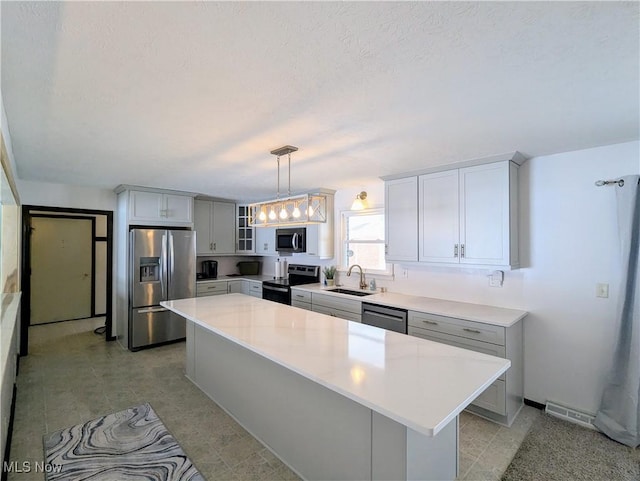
(317, 432)
(399, 452)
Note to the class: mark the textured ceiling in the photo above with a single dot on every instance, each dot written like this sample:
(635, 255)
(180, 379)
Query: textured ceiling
(193, 96)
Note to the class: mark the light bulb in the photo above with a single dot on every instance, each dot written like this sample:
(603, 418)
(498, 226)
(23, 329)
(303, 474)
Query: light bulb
(296, 212)
(310, 210)
(272, 214)
(283, 213)
(262, 216)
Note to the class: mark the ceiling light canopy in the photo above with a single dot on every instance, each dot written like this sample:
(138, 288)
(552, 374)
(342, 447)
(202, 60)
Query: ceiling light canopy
(290, 210)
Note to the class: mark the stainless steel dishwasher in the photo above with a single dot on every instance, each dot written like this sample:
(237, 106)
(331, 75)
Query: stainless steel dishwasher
(390, 318)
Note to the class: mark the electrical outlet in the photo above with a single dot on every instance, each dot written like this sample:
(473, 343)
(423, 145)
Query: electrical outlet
(496, 278)
(602, 290)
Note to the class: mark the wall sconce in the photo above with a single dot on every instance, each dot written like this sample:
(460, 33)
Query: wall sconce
(361, 201)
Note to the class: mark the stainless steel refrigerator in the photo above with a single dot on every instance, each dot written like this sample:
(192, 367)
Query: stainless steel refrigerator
(162, 267)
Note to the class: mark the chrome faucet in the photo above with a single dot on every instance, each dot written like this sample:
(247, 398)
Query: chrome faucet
(363, 284)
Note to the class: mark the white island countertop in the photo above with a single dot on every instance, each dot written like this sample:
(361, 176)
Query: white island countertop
(421, 384)
(497, 316)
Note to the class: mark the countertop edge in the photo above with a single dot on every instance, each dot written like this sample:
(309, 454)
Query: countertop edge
(514, 315)
(348, 394)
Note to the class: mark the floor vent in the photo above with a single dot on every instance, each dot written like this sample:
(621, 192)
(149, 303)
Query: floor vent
(570, 415)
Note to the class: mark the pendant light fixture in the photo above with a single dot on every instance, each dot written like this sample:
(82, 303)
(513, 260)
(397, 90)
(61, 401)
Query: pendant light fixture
(301, 209)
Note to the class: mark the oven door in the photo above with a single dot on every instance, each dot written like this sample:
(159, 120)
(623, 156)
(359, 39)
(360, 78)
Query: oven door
(276, 293)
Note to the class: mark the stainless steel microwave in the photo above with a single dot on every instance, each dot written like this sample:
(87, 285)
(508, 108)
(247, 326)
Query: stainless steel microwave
(291, 240)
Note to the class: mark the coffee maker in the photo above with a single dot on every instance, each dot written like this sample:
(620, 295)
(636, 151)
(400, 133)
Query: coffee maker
(209, 270)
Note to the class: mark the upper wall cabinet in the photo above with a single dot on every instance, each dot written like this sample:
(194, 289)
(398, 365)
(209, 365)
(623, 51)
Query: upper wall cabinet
(245, 235)
(266, 241)
(401, 219)
(158, 208)
(466, 216)
(215, 227)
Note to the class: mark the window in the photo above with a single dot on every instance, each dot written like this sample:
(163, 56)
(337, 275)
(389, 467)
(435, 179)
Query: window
(363, 241)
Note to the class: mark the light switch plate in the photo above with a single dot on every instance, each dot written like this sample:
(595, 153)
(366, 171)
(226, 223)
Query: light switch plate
(602, 290)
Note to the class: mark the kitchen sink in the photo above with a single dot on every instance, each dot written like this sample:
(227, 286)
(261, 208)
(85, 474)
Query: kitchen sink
(339, 290)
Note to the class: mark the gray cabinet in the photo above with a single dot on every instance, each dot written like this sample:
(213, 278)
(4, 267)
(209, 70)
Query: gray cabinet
(215, 226)
(469, 216)
(266, 241)
(501, 401)
(147, 207)
(238, 286)
(401, 219)
(466, 217)
(335, 306)
(245, 235)
(211, 288)
(301, 299)
(254, 289)
(245, 286)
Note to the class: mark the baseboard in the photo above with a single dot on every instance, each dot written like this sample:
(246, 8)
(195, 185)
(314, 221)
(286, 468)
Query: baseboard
(534, 404)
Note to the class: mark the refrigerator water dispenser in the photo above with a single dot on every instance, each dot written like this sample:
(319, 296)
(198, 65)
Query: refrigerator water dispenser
(149, 269)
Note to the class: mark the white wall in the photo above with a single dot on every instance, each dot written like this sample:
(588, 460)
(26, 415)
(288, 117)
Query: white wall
(63, 195)
(568, 244)
(9, 281)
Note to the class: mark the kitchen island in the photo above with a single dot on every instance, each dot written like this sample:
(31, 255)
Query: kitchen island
(334, 399)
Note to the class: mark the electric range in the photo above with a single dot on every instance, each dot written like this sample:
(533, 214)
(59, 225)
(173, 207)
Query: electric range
(279, 290)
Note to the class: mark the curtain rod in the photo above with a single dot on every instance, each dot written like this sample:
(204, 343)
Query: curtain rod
(600, 183)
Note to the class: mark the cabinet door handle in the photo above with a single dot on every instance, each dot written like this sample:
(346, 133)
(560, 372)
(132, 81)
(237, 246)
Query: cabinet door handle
(455, 250)
(300, 296)
(433, 323)
(210, 246)
(386, 248)
(474, 331)
(461, 250)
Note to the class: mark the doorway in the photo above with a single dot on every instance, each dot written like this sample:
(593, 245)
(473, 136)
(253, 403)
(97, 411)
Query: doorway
(67, 266)
(62, 268)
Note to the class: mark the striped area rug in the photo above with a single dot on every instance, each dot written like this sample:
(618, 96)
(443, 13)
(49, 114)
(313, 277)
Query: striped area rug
(128, 445)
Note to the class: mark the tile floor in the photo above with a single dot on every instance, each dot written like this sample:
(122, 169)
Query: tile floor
(71, 376)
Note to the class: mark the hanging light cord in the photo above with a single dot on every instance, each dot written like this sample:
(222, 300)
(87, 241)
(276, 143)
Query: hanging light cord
(289, 187)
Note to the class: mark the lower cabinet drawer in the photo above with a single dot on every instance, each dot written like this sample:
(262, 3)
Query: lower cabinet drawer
(458, 327)
(350, 316)
(301, 304)
(210, 293)
(255, 289)
(478, 346)
(301, 296)
(211, 288)
(494, 398)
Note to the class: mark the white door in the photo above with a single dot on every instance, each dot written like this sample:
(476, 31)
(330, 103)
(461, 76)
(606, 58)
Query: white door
(202, 213)
(179, 208)
(266, 241)
(401, 219)
(145, 206)
(223, 232)
(484, 214)
(439, 217)
(60, 269)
